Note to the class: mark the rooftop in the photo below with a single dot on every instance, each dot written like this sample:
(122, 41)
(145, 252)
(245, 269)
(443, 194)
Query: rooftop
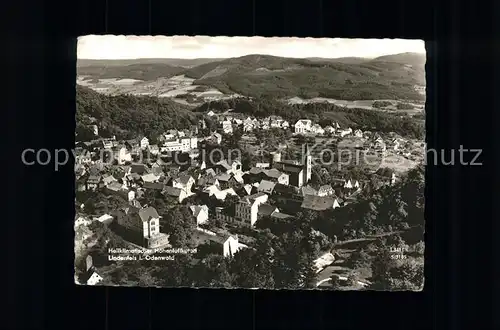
(171, 191)
(266, 186)
(266, 209)
(150, 177)
(152, 185)
(148, 213)
(196, 209)
(308, 190)
(252, 198)
(184, 179)
(279, 215)
(318, 203)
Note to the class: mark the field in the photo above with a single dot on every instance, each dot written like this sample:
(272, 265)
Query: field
(362, 104)
(179, 88)
(398, 163)
(183, 90)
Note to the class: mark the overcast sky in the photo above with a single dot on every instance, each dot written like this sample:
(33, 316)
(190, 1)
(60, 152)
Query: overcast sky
(132, 47)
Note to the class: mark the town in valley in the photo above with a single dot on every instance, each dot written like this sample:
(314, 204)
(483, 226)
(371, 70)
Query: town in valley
(255, 171)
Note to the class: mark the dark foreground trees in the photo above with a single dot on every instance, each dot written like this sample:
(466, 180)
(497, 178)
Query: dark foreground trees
(391, 271)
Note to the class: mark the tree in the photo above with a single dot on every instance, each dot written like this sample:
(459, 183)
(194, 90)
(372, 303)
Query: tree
(408, 275)
(180, 225)
(360, 259)
(335, 282)
(353, 279)
(232, 140)
(118, 276)
(293, 257)
(212, 272)
(395, 240)
(300, 139)
(231, 200)
(317, 176)
(246, 160)
(419, 248)
(404, 226)
(84, 133)
(176, 273)
(145, 276)
(369, 217)
(125, 114)
(115, 202)
(252, 269)
(310, 275)
(324, 242)
(210, 124)
(97, 204)
(381, 267)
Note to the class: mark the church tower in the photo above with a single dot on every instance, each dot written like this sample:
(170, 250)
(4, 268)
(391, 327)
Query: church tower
(307, 164)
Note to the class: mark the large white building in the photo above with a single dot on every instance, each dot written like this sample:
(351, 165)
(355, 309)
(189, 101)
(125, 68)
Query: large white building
(122, 156)
(345, 132)
(183, 144)
(303, 126)
(247, 209)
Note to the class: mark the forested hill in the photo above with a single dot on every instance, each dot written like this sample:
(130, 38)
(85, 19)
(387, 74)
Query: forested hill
(399, 206)
(263, 75)
(413, 59)
(386, 77)
(127, 116)
(176, 62)
(142, 71)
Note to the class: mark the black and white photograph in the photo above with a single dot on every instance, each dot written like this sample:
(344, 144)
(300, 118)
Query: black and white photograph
(250, 162)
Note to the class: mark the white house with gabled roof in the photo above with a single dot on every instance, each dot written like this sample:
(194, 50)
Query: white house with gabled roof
(144, 143)
(303, 126)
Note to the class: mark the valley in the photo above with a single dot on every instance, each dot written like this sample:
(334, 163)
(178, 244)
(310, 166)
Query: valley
(355, 84)
(180, 88)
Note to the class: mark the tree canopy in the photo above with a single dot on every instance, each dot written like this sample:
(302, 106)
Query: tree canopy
(127, 116)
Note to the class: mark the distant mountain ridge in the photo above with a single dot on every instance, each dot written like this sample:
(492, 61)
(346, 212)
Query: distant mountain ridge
(345, 60)
(264, 75)
(139, 71)
(403, 58)
(180, 62)
(386, 77)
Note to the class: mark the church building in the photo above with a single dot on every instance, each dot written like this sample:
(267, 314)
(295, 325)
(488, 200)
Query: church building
(299, 172)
